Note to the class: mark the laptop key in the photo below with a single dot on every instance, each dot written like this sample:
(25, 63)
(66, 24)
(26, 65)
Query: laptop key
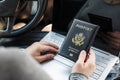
(101, 63)
(100, 68)
(92, 78)
(98, 72)
(102, 59)
(94, 75)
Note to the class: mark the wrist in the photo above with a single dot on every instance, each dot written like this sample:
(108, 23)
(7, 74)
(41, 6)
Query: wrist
(24, 51)
(77, 76)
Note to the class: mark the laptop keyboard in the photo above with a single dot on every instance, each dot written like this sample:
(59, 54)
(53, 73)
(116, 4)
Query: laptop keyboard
(101, 64)
(101, 60)
(54, 39)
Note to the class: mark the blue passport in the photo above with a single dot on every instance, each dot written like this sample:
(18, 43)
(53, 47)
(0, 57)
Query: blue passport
(80, 37)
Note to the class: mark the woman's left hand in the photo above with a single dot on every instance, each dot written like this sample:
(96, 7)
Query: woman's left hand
(42, 51)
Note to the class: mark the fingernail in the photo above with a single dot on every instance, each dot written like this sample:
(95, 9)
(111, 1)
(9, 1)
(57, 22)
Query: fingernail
(83, 51)
(52, 55)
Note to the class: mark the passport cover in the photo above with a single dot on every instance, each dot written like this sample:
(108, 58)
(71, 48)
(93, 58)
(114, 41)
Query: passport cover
(79, 37)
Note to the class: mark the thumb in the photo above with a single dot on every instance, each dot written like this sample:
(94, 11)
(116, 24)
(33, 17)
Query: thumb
(44, 57)
(82, 56)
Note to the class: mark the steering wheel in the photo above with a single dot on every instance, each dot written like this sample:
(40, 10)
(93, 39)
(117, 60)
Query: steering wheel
(9, 11)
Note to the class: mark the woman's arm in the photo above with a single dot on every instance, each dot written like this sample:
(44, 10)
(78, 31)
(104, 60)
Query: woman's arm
(16, 64)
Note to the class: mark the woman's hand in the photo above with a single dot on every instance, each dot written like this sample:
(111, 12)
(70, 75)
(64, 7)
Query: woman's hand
(85, 65)
(42, 51)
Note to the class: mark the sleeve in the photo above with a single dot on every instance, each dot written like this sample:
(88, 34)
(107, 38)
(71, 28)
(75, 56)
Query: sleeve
(16, 64)
(77, 76)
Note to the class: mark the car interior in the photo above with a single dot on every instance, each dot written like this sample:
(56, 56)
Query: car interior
(31, 16)
(23, 22)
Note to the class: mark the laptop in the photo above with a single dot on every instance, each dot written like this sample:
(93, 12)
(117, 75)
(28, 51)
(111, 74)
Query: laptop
(60, 67)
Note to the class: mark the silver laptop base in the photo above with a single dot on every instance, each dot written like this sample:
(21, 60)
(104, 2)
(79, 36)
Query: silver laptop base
(60, 67)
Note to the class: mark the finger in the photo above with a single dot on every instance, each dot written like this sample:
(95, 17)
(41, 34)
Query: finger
(113, 39)
(114, 34)
(48, 49)
(50, 44)
(91, 58)
(82, 56)
(114, 45)
(44, 57)
(113, 42)
(110, 38)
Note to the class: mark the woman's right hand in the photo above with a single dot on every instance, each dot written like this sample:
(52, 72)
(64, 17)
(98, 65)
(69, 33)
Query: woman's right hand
(85, 65)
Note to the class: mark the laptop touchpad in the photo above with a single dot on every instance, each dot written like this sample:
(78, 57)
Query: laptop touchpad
(57, 70)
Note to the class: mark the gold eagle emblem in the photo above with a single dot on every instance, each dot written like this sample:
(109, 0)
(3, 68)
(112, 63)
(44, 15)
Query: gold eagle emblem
(78, 40)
